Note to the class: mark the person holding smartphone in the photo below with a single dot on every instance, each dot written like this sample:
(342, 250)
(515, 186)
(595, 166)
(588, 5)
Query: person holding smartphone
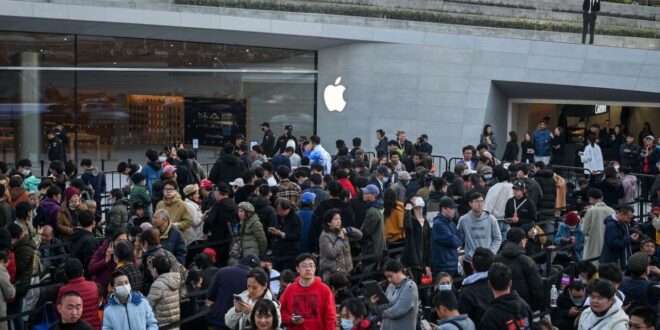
(238, 317)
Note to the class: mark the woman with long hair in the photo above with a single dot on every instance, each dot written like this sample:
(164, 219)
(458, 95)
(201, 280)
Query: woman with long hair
(592, 157)
(334, 247)
(394, 216)
(265, 315)
(238, 316)
(511, 150)
(488, 138)
(528, 150)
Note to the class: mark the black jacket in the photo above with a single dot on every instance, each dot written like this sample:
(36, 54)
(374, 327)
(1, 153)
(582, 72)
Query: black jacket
(510, 152)
(475, 296)
(268, 143)
(80, 325)
(83, 246)
(280, 145)
(506, 311)
(185, 175)
(347, 219)
(639, 292)
(525, 275)
(264, 211)
(526, 211)
(226, 169)
(223, 212)
(56, 150)
(289, 246)
(417, 250)
(594, 9)
(564, 304)
(546, 180)
(524, 156)
(381, 148)
(612, 190)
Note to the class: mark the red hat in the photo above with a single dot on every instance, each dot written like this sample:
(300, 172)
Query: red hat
(69, 192)
(655, 209)
(210, 252)
(572, 218)
(206, 183)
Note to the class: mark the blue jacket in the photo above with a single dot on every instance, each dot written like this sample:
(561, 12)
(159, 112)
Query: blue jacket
(446, 241)
(564, 232)
(151, 172)
(136, 314)
(616, 246)
(228, 281)
(542, 143)
(173, 241)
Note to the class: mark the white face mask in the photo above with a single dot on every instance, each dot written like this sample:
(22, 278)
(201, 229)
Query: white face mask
(441, 287)
(123, 291)
(162, 159)
(26, 172)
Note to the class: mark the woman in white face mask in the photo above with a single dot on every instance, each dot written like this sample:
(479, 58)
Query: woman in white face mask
(444, 281)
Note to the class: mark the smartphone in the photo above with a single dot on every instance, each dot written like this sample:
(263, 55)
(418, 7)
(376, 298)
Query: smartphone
(296, 318)
(238, 298)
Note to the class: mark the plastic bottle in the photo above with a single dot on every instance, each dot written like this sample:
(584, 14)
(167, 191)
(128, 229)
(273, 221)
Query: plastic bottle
(553, 296)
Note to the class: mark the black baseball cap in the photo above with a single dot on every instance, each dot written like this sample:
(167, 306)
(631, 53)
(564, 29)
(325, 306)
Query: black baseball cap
(266, 124)
(288, 128)
(223, 188)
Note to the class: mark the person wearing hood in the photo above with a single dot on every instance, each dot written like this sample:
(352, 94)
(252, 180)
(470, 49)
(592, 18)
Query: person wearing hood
(171, 238)
(629, 183)
(606, 311)
(445, 305)
(218, 222)
(194, 233)
(478, 228)
(227, 168)
(117, 220)
(140, 193)
(17, 193)
(519, 209)
(569, 306)
(610, 186)
(507, 310)
(67, 216)
(445, 239)
(251, 233)
(94, 179)
(570, 232)
(127, 309)
(373, 239)
(164, 293)
(617, 239)
(524, 272)
(594, 224)
(257, 154)
(175, 207)
(152, 169)
(83, 241)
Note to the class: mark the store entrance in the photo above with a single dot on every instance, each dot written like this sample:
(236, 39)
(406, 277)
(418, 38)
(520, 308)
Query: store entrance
(614, 121)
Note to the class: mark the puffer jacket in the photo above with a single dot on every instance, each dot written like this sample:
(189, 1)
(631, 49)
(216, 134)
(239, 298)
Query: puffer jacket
(140, 193)
(135, 314)
(67, 220)
(612, 190)
(252, 236)
(152, 172)
(31, 183)
(226, 169)
(164, 298)
(178, 211)
(546, 180)
(614, 319)
(524, 274)
(335, 252)
(235, 320)
(194, 232)
(629, 183)
(117, 218)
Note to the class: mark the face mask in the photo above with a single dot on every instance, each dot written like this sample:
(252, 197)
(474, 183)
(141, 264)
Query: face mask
(162, 158)
(346, 324)
(488, 177)
(572, 228)
(385, 179)
(26, 172)
(576, 302)
(443, 287)
(123, 290)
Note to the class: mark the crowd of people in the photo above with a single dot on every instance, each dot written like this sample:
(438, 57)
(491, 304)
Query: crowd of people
(283, 235)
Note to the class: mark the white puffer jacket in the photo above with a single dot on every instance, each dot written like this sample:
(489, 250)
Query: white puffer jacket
(614, 319)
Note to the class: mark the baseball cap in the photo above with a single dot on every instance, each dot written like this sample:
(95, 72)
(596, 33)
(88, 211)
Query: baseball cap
(288, 128)
(518, 184)
(419, 202)
(223, 188)
(266, 124)
(308, 198)
(370, 189)
(447, 202)
(649, 137)
(206, 183)
(251, 261)
(237, 182)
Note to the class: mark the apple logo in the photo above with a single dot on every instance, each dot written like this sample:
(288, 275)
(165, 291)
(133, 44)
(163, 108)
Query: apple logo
(333, 95)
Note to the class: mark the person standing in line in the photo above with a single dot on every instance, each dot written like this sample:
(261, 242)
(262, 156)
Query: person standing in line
(616, 247)
(507, 310)
(542, 143)
(381, 147)
(511, 150)
(594, 224)
(401, 311)
(488, 138)
(268, 141)
(592, 157)
(590, 9)
(478, 228)
(527, 148)
(70, 308)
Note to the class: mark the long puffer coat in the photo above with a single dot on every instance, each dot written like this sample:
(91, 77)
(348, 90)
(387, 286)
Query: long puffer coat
(164, 298)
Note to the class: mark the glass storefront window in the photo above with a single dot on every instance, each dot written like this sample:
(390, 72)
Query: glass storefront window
(116, 97)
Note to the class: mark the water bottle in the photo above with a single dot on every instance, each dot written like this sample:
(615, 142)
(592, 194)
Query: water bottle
(553, 296)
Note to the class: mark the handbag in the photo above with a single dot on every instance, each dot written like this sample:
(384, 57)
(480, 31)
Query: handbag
(236, 246)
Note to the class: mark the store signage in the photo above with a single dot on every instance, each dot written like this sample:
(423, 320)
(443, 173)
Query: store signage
(333, 95)
(601, 108)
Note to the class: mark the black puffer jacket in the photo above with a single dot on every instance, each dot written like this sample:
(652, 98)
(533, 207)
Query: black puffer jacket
(546, 180)
(524, 274)
(475, 296)
(226, 169)
(264, 211)
(612, 190)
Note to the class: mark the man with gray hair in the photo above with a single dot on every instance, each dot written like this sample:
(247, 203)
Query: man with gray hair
(170, 237)
(51, 249)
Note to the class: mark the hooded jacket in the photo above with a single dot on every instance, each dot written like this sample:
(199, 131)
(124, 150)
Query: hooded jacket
(178, 211)
(373, 239)
(164, 298)
(24, 251)
(83, 246)
(335, 252)
(616, 246)
(140, 193)
(224, 212)
(545, 179)
(258, 161)
(117, 218)
(629, 183)
(479, 231)
(524, 274)
(564, 232)
(614, 319)
(593, 224)
(31, 183)
(533, 189)
(612, 190)
(506, 312)
(151, 172)
(135, 314)
(446, 241)
(475, 296)
(264, 211)
(226, 169)
(253, 238)
(194, 232)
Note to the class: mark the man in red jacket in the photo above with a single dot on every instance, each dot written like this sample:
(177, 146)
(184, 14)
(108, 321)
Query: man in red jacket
(88, 291)
(308, 303)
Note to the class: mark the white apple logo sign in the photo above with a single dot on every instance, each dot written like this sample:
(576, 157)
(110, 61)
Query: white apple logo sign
(333, 95)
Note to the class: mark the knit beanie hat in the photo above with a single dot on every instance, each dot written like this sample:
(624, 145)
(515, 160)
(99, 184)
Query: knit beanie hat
(638, 263)
(246, 206)
(572, 218)
(69, 192)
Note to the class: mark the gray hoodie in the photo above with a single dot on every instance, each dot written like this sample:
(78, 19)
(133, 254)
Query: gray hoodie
(462, 320)
(482, 231)
(401, 312)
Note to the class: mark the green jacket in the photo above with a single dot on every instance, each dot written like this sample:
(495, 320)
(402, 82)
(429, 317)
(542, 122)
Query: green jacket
(139, 193)
(24, 251)
(117, 218)
(253, 237)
